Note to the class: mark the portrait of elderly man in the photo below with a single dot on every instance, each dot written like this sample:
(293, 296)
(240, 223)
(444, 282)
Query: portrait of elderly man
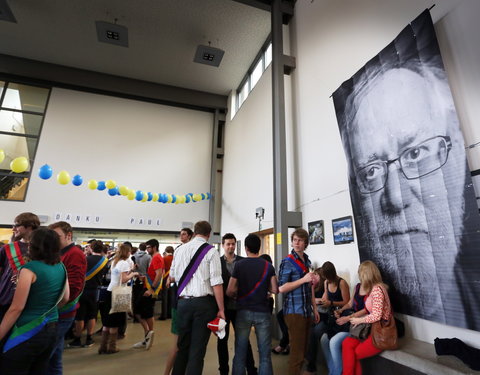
(411, 190)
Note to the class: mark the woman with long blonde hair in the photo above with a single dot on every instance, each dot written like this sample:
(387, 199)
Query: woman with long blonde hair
(120, 274)
(378, 307)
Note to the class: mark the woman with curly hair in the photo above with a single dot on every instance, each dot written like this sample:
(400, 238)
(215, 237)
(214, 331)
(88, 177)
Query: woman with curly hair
(41, 286)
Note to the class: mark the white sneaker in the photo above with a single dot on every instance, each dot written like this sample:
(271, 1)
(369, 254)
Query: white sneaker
(140, 345)
(149, 340)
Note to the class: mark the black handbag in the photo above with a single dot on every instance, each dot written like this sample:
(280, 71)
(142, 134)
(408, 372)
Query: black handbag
(332, 327)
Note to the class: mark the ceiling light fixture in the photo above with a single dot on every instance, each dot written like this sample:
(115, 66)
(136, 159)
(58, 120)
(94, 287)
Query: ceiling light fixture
(208, 55)
(112, 33)
(6, 13)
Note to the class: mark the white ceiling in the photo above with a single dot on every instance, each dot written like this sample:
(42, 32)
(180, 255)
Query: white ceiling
(163, 37)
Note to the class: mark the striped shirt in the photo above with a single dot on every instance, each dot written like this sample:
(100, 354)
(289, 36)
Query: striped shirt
(207, 275)
(297, 301)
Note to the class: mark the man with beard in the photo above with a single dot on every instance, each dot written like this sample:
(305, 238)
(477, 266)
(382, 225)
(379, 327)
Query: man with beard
(409, 185)
(12, 257)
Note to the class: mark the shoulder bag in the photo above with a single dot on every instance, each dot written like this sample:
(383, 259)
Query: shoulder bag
(384, 332)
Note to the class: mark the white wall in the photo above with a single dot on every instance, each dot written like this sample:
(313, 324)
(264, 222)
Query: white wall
(248, 166)
(331, 40)
(144, 146)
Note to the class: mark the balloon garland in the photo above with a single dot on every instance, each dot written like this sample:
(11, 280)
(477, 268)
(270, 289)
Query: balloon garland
(45, 172)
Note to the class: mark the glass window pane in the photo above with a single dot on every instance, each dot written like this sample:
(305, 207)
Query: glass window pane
(13, 187)
(268, 55)
(14, 147)
(256, 74)
(20, 123)
(25, 98)
(243, 94)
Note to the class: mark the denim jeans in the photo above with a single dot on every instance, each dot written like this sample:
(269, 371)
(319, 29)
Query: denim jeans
(55, 366)
(315, 334)
(332, 349)
(247, 319)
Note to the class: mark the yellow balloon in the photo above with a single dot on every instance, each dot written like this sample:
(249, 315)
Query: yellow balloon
(155, 197)
(92, 184)
(131, 195)
(2, 155)
(184, 199)
(110, 184)
(63, 177)
(145, 197)
(19, 165)
(124, 190)
(197, 197)
(169, 198)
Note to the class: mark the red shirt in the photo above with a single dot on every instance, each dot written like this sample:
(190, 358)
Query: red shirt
(76, 264)
(155, 264)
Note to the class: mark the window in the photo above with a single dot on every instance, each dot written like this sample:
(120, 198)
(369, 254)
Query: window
(256, 74)
(268, 55)
(258, 67)
(22, 109)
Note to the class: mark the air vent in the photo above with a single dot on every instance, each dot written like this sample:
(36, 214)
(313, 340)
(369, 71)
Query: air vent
(112, 33)
(6, 13)
(208, 55)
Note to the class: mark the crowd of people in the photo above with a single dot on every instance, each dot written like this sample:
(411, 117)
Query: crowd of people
(50, 288)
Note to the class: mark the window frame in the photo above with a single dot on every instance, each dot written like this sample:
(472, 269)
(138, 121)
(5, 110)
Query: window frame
(3, 172)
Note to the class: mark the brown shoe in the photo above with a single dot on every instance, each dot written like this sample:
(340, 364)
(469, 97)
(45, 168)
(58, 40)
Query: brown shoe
(103, 344)
(112, 344)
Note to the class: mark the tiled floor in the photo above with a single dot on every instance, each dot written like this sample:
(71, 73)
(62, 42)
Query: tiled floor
(129, 361)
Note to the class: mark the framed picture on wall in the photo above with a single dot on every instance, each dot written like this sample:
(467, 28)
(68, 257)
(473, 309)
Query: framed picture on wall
(342, 230)
(316, 232)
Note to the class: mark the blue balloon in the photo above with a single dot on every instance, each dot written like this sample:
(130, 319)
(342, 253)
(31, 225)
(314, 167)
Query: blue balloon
(45, 172)
(113, 192)
(101, 185)
(174, 198)
(187, 197)
(77, 180)
(203, 196)
(139, 195)
(149, 196)
(163, 197)
(209, 196)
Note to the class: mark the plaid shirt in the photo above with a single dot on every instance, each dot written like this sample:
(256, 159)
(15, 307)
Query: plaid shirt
(297, 301)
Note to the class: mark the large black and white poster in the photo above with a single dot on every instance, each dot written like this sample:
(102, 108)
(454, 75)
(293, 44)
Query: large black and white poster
(411, 190)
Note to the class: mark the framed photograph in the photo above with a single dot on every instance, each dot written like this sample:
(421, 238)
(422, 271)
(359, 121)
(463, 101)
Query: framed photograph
(342, 230)
(316, 232)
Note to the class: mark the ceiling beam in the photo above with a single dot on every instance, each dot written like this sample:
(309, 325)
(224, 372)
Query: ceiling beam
(107, 84)
(260, 4)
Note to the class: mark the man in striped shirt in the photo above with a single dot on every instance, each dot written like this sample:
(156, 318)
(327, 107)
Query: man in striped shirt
(200, 300)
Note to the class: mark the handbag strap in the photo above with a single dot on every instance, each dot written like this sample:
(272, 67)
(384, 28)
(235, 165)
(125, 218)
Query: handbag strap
(386, 300)
(192, 266)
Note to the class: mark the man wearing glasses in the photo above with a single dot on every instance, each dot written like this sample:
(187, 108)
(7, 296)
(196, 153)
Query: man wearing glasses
(11, 257)
(409, 184)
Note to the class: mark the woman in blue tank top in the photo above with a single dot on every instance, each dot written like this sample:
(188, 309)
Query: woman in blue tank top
(41, 285)
(332, 347)
(336, 294)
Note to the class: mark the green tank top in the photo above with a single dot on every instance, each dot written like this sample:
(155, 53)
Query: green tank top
(44, 292)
